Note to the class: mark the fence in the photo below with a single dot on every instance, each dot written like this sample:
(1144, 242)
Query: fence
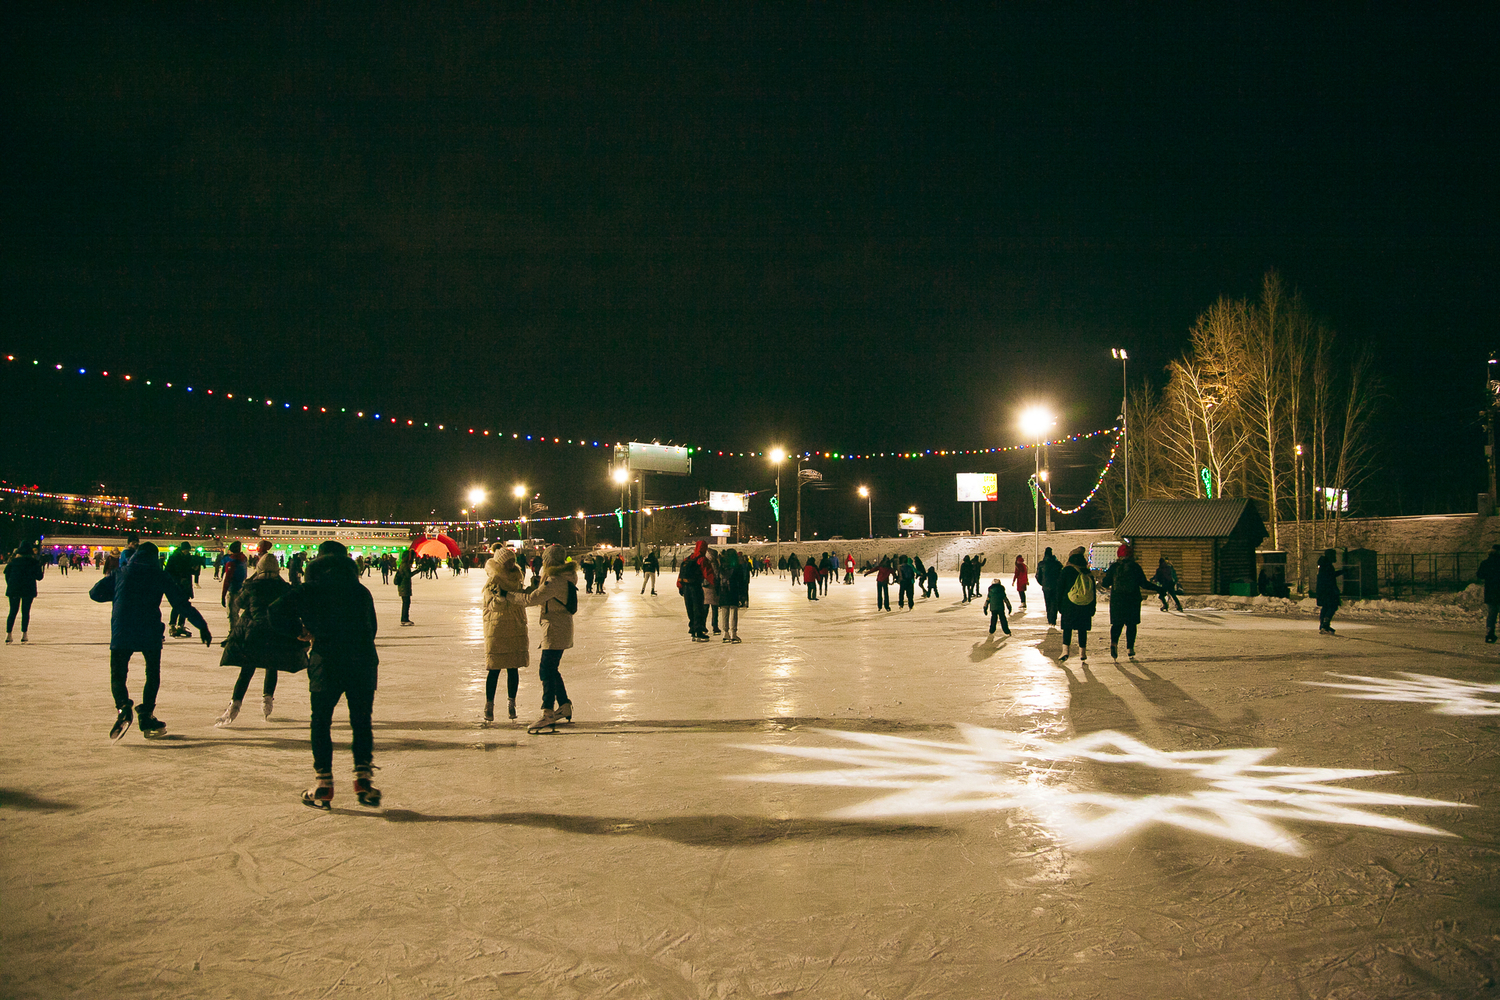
(1426, 572)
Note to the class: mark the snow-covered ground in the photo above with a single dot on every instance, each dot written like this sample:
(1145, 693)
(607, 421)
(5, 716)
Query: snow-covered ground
(850, 803)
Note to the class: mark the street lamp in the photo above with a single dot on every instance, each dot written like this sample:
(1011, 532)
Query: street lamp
(477, 496)
(777, 456)
(621, 475)
(1297, 499)
(1035, 422)
(1118, 353)
(519, 492)
(583, 523)
(864, 491)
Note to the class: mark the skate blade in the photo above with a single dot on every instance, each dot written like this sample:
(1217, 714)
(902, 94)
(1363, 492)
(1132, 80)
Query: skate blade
(541, 730)
(314, 803)
(118, 736)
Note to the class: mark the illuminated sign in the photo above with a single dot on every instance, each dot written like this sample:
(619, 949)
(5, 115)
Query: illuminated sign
(671, 460)
(720, 530)
(911, 522)
(727, 501)
(977, 487)
(1333, 499)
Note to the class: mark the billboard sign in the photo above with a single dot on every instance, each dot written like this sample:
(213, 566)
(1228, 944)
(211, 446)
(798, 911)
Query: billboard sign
(977, 487)
(720, 530)
(911, 522)
(670, 460)
(727, 501)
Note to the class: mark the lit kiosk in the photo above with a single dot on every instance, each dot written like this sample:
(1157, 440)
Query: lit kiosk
(1211, 543)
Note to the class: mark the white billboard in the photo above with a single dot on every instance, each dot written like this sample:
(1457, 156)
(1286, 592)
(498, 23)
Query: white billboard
(911, 522)
(673, 460)
(978, 487)
(720, 530)
(727, 501)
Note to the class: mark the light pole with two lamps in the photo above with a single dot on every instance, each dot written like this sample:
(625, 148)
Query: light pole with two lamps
(1035, 422)
(477, 496)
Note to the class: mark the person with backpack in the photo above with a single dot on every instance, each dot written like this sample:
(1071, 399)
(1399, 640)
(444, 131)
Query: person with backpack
(906, 584)
(997, 604)
(338, 612)
(1047, 572)
(1076, 602)
(1125, 580)
(557, 595)
(690, 586)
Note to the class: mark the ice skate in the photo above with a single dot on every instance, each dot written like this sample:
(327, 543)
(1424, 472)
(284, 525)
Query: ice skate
(265, 706)
(1130, 653)
(8, 638)
(23, 637)
(230, 714)
(489, 711)
(151, 727)
(1067, 651)
(1083, 655)
(547, 723)
(320, 796)
(564, 712)
(1114, 651)
(511, 708)
(122, 724)
(364, 787)
(735, 637)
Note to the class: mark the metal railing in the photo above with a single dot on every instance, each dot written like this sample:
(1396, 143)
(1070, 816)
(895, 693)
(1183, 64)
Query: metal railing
(1426, 572)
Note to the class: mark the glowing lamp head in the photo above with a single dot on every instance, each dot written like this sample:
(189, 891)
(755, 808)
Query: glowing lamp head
(777, 455)
(476, 496)
(864, 491)
(621, 474)
(519, 491)
(1036, 421)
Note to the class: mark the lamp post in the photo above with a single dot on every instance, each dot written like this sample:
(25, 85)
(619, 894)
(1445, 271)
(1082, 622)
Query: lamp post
(777, 456)
(1035, 421)
(1297, 500)
(519, 492)
(477, 496)
(583, 524)
(864, 491)
(621, 476)
(465, 515)
(1118, 353)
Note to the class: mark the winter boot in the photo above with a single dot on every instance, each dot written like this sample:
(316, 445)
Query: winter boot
(122, 723)
(265, 706)
(230, 714)
(320, 796)
(150, 726)
(489, 711)
(564, 711)
(512, 709)
(364, 787)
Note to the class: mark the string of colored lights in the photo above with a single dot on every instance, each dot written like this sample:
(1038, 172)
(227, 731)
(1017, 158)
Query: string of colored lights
(382, 417)
(1109, 463)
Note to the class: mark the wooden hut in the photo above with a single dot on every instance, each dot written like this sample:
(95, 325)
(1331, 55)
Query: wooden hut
(1211, 543)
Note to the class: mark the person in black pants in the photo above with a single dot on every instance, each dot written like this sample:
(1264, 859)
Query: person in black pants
(1166, 583)
(883, 574)
(1327, 591)
(997, 604)
(690, 586)
(21, 575)
(1125, 580)
(1047, 572)
(906, 580)
(338, 612)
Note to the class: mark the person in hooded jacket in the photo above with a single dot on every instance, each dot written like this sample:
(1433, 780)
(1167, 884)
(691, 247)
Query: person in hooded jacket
(1327, 590)
(404, 571)
(557, 633)
(690, 586)
(254, 643)
(810, 578)
(1021, 579)
(506, 643)
(1076, 609)
(997, 604)
(1125, 580)
(135, 593)
(21, 574)
(735, 592)
(794, 568)
(905, 584)
(338, 612)
(1047, 572)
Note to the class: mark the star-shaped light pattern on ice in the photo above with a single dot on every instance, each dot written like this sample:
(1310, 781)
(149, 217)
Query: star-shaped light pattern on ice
(1450, 697)
(1240, 798)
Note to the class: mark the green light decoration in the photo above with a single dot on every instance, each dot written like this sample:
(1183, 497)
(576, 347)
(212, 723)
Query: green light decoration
(776, 509)
(620, 516)
(1208, 482)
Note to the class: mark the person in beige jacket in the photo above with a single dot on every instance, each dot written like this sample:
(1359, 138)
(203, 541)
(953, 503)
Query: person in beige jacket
(557, 590)
(506, 642)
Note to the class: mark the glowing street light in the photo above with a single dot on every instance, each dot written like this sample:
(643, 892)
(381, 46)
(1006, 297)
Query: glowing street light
(778, 456)
(519, 492)
(1035, 422)
(864, 491)
(1118, 353)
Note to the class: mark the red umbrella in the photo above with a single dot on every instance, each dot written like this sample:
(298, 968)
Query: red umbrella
(440, 547)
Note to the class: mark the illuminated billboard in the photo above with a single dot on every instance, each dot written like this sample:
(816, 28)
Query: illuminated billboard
(727, 501)
(977, 487)
(911, 522)
(721, 530)
(671, 460)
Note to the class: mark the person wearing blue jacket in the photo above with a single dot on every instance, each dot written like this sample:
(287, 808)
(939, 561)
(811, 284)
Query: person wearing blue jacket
(135, 592)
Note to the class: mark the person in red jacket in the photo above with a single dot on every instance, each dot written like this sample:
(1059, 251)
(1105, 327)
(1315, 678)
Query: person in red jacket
(883, 574)
(810, 577)
(1021, 579)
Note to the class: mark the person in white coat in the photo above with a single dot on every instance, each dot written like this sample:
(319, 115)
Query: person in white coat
(558, 590)
(506, 642)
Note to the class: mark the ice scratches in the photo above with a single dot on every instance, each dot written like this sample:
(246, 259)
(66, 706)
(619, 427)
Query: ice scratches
(695, 831)
(1447, 696)
(1227, 794)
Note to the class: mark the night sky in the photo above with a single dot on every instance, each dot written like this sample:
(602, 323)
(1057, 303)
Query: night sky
(737, 226)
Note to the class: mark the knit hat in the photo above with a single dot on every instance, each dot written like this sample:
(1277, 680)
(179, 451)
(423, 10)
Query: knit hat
(332, 548)
(264, 546)
(1124, 551)
(269, 565)
(552, 555)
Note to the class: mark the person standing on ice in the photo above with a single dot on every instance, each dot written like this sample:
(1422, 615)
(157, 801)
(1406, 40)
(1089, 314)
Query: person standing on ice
(135, 593)
(1076, 602)
(1327, 590)
(997, 604)
(883, 574)
(1166, 582)
(810, 578)
(649, 566)
(21, 574)
(906, 584)
(690, 586)
(180, 569)
(254, 643)
(403, 584)
(1125, 580)
(932, 580)
(234, 579)
(338, 612)
(1021, 579)
(794, 567)
(1489, 573)
(1047, 572)
(558, 598)
(506, 642)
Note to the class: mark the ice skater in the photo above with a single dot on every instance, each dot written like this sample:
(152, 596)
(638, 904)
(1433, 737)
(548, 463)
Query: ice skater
(1327, 590)
(135, 592)
(506, 643)
(1125, 580)
(906, 585)
(734, 592)
(883, 574)
(810, 577)
(254, 643)
(997, 605)
(1165, 579)
(932, 580)
(690, 586)
(180, 569)
(1047, 572)
(1020, 579)
(1076, 601)
(649, 566)
(21, 575)
(1489, 574)
(338, 612)
(554, 596)
(403, 584)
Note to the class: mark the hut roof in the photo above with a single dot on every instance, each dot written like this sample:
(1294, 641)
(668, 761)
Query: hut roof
(1189, 519)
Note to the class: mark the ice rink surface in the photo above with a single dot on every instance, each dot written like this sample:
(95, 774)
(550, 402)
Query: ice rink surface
(849, 803)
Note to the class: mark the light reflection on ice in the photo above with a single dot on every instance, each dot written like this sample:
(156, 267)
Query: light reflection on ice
(1227, 794)
(1449, 697)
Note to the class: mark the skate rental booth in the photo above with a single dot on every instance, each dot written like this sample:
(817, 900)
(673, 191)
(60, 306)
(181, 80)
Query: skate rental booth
(1211, 543)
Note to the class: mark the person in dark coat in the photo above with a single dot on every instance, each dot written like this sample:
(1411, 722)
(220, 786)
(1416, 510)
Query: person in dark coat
(404, 573)
(690, 586)
(1047, 572)
(649, 566)
(1326, 588)
(338, 612)
(235, 571)
(619, 569)
(1076, 609)
(180, 569)
(1489, 572)
(135, 592)
(906, 584)
(997, 604)
(254, 643)
(21, 575)
(1125, 580)
(1166, 582)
